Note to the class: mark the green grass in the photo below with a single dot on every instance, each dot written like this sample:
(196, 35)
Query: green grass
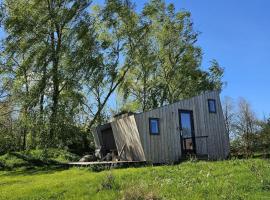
(234, 179)
(35, 158)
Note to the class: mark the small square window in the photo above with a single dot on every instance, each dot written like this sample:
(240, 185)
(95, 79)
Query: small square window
(212, 106)
(154, 126)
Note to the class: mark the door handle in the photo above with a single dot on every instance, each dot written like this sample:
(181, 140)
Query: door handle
(181, 133)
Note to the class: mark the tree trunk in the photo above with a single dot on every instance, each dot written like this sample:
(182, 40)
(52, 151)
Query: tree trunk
(25, 111)
(41, 131)
(55, 99)
(24, 128)
(55, 80)
(56, 42)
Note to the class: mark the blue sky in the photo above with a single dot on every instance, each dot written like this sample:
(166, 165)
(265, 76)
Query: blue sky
(237, 34)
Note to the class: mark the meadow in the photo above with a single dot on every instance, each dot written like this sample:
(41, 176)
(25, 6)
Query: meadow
(231, 179)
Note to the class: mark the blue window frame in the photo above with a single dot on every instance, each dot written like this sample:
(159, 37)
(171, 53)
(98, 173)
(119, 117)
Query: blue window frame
(212, 106)
(154, 126)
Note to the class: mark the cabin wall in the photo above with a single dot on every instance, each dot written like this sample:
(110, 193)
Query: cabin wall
(96, 135)
(127, 139)
(166, 147)
(104, 139)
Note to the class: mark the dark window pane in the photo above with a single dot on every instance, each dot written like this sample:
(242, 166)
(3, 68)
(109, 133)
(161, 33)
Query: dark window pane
(186, 125)
(212, 105)
(154, 126)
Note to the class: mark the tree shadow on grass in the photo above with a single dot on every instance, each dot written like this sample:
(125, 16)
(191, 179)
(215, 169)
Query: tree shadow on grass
(34, 161)
(28, 171)
(31, 166)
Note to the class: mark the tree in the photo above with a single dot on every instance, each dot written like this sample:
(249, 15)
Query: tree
(64, 60)
(246, 125)
(167, 66)
(248, 134)
(139, 84)
(264, 136)
(119, 34)
(41, 37)
(229, 115)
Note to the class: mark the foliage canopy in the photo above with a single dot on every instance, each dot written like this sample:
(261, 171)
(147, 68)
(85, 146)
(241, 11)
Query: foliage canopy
(63, 60)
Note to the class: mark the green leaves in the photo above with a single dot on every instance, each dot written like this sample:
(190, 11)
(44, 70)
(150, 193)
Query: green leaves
(167, 63)
(42, 38)
(64, 60)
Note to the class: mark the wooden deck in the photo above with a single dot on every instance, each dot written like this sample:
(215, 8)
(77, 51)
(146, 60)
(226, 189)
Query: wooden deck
(111, 164)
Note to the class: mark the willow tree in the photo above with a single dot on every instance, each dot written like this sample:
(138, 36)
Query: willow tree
(65, 59)
(41, 37)
(120, 34)
(168, 67)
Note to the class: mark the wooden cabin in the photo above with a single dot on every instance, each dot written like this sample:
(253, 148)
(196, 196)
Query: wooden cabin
(169, 133)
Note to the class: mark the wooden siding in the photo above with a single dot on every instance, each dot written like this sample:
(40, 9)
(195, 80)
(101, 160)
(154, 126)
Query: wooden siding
(127, 137)
(97, 134)
(166, 147)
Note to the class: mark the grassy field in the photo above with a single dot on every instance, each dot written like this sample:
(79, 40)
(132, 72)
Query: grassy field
(234, 179)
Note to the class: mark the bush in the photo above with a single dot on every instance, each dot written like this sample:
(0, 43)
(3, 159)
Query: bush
(266, 185)
(53, 154)
(2, 166)
(11, 161)
(99, 168)
(108, 183)
(8, 142)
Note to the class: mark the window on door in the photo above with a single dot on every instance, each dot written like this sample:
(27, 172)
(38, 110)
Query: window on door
(187, 131)
(154, 126)
(186, 124)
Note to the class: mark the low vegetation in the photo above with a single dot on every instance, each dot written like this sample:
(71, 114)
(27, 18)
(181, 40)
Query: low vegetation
(234, 179)
(35, 159)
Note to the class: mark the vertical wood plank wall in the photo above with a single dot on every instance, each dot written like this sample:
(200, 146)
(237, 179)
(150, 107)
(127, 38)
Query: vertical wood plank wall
(96, 137)
(127, 137)
(166, 147)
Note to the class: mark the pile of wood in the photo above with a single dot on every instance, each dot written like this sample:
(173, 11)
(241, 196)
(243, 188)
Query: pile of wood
(112, 156)
(88, 158)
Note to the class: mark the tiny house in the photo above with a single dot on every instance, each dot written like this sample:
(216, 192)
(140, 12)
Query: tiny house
(169, 133)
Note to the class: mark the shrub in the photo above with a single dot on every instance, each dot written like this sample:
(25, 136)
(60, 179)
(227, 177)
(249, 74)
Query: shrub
(11, 161)
(266, 185)
(53, 154)
(98, 168)
(2, 166)
(108, 183)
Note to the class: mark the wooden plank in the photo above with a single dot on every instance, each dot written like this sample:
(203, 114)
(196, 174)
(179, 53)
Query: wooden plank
(96, 138)
(168, 154)
(143, 137)
(126, 133)
(103, 162)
